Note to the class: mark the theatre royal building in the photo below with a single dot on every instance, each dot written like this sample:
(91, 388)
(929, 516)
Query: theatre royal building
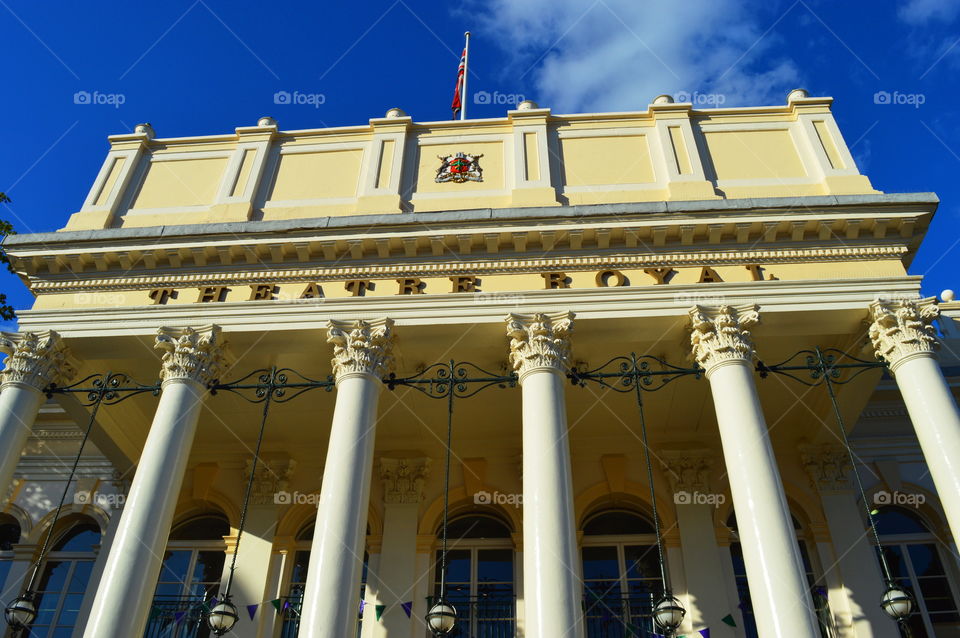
(602, 375)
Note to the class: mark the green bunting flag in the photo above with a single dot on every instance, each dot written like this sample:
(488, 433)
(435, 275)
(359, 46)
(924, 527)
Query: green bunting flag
(728, 620)
(380, 609)
(276, 604)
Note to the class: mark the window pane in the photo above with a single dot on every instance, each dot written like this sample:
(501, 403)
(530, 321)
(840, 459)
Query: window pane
(600, 563)
(55, 576)
(209, 566)
(926, 561)
(495, 565)
(203, 528)
(80, 538)
(896, 560)
(617, 523)
(893, 520)
(300, 563)
(476, 527)
(642, 561)
(175, 565)
(458, 566)
(81, 575)
(4, 569)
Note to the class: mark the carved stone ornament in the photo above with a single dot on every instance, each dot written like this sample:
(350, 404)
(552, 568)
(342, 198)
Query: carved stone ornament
(719, 334)
(403, 479)
(688, 470)
(828, 466)
(361, 347)
(271, 477)
(539, 341)
(903, 327)
(36, 359)
(195, 355)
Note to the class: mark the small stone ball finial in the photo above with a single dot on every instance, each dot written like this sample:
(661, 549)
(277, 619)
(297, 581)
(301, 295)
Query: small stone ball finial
(266, 120)
(797, 94)
(663, 98)
(144, 129)
(395, 113)
(527, 105)
(947, 295)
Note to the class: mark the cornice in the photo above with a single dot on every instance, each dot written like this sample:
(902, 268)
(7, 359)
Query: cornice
(243, 275)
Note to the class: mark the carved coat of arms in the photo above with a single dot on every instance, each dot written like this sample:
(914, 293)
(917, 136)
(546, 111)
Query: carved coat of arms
(459, 168)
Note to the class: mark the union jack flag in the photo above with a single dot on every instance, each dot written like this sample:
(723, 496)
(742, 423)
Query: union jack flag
(458, 92)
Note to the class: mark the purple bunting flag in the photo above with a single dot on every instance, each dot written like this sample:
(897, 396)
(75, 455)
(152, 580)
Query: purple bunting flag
(705, 632)
(407, 607)
(252, 610)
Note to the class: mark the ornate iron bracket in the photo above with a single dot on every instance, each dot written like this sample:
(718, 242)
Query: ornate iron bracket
(633, 371)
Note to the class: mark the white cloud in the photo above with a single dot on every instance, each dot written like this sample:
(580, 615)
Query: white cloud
(618, 54)
(918, 12)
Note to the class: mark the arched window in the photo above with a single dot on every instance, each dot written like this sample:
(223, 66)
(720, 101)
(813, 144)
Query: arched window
(915, 559)
(291, 604)
(480, 575)
(65, 577)
(621, 572)
(191, 572)
(9, 536)
(814, 582)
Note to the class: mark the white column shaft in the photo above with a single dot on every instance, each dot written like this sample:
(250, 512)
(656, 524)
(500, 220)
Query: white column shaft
(19, 405)
(332, 592)
(781, 602)
(551, 589)
(122, 604)
(937, 424)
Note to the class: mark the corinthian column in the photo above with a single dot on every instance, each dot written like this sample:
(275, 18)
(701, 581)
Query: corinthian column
(903, 337)
(721, 344)
(540, 355)
(191, 360)
(34, 361)
(361, 356)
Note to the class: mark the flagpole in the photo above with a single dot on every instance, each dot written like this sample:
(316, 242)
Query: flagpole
(466, 72)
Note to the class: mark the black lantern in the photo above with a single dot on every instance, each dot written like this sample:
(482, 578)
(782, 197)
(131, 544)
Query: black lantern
(442, 618)
(668, 614)
(897, 602)
(222, 617)
(21, 612)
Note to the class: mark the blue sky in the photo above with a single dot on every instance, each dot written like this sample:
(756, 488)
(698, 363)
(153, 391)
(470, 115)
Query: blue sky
(198, 67)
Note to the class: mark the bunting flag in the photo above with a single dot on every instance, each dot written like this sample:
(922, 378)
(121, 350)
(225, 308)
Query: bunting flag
(213, 602)
(276, 604)
(155, 613)
(363, 604)
(728, 620)
(286, 604)
(380, 609)
(458, 91)
(705, 632)
(407, 607)
(179, 616)
(252, 610)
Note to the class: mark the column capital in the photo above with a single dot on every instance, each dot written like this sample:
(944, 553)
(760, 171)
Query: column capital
(902, 327)
(191, 354)
(689, 470)
(35, 359)
(403, 479)
(539, 341)
(361, 347)
(828, 467)
(718, 334)
(272, 476)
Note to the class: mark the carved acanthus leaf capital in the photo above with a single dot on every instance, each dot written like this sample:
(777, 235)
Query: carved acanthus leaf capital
(361, 347)
(903, 327)
(827, 465)
(403, 479)
(688, 470)
(271, 477)
(194, 355)
(719, 334)
(539, 341)
(36, 359)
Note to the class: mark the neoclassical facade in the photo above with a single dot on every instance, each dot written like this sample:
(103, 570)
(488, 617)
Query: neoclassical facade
(248, 353)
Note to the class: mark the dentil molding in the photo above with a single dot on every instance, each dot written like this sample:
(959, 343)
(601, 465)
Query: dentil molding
(539, 340)
(361, 347)
(36, 359)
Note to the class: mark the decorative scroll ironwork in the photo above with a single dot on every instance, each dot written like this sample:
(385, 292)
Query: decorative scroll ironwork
(821, 365)
(279, 385)
(104, 389)
(467, 379)
(631, 371)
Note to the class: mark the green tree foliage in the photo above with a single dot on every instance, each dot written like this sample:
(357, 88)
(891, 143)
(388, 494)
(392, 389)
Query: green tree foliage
(6, 228)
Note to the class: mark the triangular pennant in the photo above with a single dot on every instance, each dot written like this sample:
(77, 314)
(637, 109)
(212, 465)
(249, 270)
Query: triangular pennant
(380, 609)
(363, 604)
(286, 604)
(276, 604)
(407, 607)
(213, 602)
(728, 620)
(252, 610)
(179, 616)
(154, 613)
(705, 632)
